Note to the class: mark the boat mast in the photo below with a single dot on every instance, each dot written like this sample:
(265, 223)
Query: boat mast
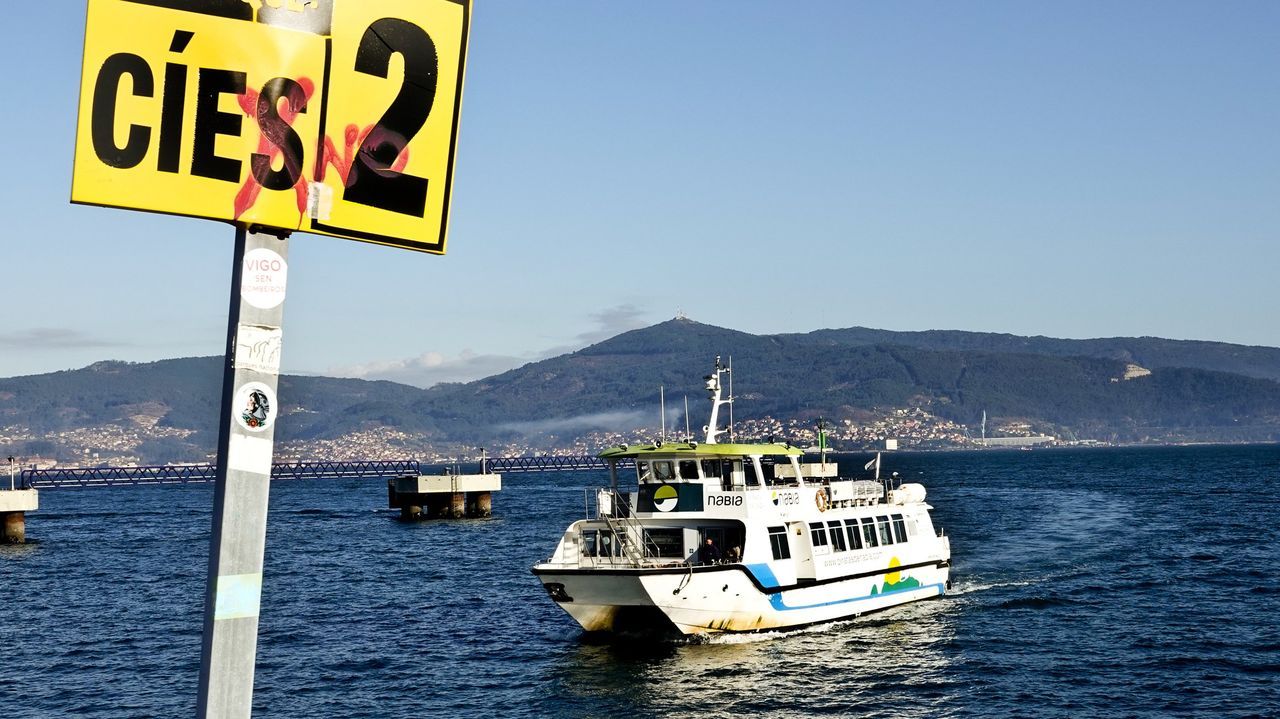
(662, 410)
(688, 435)
(713, 387)
(822, 442)
(730, 400)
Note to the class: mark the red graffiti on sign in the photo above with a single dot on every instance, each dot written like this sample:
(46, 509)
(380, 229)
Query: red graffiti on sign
(341, 162)
(274, 125)
(271, 138)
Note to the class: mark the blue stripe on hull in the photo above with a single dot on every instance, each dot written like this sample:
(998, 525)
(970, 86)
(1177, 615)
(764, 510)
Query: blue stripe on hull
(777, 602)
(763, 574)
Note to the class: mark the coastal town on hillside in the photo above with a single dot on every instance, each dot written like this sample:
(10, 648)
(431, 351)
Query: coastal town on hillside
(137, 444)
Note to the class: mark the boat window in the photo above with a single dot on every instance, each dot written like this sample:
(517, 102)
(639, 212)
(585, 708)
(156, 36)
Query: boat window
(869, 532)
(734, 539)
(688, 469)
(851, 532)
(818, 533)
(664, 471)
(606, 545)
(664, 542)
(769, 474)
(778, 541)
(750, 468)
(837, 537)
(642, 470)
(899, 529)
(599, 543)
(886, 535)
(710, 468)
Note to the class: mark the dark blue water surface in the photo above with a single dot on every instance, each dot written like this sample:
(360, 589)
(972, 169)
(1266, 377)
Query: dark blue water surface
(1108, 582)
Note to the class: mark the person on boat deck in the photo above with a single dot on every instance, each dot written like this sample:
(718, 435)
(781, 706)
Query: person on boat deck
(734, 555)
(710, 552)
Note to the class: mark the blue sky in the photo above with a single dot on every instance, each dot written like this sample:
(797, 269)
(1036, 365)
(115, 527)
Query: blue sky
(1073, 170)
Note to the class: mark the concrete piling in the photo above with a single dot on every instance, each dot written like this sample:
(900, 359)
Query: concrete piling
(15, 528)
(480, 504)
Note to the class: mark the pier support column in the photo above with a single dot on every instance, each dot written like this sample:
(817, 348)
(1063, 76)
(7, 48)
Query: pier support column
(410, 512)
(14, 530)
(479, 504)
(458, 504)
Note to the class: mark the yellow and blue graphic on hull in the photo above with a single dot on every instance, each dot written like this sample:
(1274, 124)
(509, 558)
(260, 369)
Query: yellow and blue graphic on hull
(894, 581)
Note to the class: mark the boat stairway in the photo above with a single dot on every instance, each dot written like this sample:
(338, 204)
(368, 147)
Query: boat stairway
(628, 530)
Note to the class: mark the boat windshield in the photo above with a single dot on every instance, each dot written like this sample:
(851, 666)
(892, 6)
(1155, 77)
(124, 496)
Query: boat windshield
(668, 470)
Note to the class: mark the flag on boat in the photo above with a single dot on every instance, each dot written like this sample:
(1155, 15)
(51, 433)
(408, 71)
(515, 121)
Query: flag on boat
(872, 463)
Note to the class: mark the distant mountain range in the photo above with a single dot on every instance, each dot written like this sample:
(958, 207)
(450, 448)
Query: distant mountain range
(1195, 391)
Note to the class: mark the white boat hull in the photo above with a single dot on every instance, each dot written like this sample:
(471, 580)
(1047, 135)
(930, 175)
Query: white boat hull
(729, 598)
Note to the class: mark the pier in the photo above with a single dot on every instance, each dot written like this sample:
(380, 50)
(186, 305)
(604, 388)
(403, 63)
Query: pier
(14, 505)
(15, 502)
(443, 496)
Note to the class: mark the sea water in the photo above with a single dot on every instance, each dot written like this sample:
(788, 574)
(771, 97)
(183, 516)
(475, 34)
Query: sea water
(1103, 582)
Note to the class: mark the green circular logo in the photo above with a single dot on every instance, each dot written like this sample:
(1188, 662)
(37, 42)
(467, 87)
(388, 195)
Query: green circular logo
(665, 498)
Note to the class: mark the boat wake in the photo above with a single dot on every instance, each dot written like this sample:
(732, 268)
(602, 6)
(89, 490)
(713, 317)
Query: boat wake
(769, 636)
(962, 587)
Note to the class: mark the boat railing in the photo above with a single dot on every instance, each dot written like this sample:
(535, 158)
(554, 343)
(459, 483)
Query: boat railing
(614, 509)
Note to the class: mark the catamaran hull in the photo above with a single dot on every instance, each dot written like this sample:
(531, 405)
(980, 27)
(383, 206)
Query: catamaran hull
(604, 601)
(729, 599)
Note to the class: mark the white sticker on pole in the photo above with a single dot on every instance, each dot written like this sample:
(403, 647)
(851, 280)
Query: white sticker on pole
(263, 282)
(254, 406)
(238, 596)
(258, 348)
(250, 454)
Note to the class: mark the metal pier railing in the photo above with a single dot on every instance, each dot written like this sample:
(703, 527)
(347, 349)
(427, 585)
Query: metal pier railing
(549, 463)
(190, 473)
(206, 472)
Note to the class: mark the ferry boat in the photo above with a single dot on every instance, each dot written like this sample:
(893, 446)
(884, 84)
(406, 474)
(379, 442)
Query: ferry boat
(710, 537)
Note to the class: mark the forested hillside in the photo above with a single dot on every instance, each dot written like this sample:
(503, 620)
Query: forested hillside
(1078, 388)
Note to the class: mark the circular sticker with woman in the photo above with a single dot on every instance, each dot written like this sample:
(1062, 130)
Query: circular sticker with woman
(255, 406)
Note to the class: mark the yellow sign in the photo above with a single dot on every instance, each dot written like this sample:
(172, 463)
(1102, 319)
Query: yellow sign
(338, 117)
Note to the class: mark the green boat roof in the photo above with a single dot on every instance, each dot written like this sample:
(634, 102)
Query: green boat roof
(669, 449)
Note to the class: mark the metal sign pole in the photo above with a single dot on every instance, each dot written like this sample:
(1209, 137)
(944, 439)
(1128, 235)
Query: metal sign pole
(245, 443)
